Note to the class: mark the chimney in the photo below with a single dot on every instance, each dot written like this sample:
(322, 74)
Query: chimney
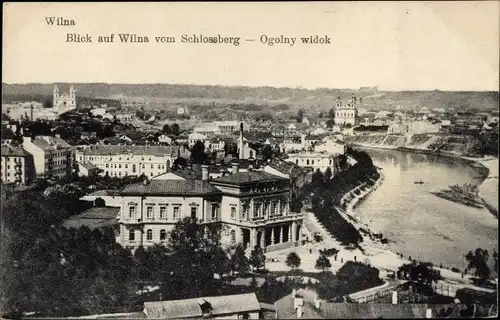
(428, 314)
(299, 311)
(241, 154)
(204, 172)
(317, 303)
(145, 181)
(236, 167)
(394, 297)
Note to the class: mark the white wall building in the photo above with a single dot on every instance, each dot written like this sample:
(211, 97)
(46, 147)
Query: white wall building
(346, 113)
(119, 161)
(53, 157)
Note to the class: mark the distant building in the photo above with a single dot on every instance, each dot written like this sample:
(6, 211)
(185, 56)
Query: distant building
(181, 111)
(347, 113)
(98, 112)
(111, 197)
(415, 127)
(87, 169)
(53, 157)
(330, 147)
(65, 100)
(314, 160)
(17, 166)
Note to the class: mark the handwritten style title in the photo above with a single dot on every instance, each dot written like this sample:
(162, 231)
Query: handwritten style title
(131, 38)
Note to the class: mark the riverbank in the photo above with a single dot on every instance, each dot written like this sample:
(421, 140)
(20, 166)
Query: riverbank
(486, 167)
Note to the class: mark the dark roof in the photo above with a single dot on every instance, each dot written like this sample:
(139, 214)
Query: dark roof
(373, 311)
(50, 143)
(11, 151)
(166, 187)
(249, 177)
(95, 217)
(190, 308)
(136, 150)
(286, 167)
(88, 165)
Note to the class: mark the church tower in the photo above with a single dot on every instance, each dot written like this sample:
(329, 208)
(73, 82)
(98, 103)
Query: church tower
(55, 98)
(72, 96)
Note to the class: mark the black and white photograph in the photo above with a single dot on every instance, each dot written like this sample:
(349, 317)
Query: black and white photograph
(238, 160)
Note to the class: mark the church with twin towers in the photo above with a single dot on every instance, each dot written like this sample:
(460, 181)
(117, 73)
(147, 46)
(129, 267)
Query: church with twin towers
(64, 100)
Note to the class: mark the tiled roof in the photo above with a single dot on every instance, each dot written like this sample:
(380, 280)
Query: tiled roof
(50, 143)
(88, 165)
(190, 308)
(285, 309)
(136, 150)
(248, 177)
(95, 217)
(99, 193)
(373, 311)
(11, 151)
(170, 187)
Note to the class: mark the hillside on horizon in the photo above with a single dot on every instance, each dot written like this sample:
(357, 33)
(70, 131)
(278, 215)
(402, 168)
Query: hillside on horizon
(295, 97)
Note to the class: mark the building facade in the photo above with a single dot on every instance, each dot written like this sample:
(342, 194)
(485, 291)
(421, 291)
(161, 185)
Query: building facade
(120, 160)
(314, 160)
(64, 100)
(346, 113)
(17, 166)
(252, 206)
(53, 157)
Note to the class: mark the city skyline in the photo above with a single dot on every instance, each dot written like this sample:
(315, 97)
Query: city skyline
(410, 46)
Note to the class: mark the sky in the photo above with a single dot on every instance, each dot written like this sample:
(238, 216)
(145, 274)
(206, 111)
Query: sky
(392, 45)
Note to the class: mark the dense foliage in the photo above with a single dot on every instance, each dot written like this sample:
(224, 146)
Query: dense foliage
(324, 195)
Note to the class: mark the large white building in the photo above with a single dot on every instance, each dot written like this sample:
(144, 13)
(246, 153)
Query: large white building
(253, 207)
(314, 160)
(124, 160)
(219, 128)
(346, 113)
(53, 157)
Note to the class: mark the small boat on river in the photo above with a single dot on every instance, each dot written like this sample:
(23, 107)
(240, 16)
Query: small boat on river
(419, 182)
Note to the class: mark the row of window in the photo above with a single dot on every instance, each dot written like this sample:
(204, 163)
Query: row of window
(345, 114)
(149, 235)
(307, 162)
(163, 212)
(109, 158)
(58, 154)
(119, 166)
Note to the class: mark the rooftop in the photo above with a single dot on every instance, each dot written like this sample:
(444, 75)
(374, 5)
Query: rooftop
(50, 143)
(190, 308)
(157, 150)
(248, 177)
(170, 187)
(11, 151)
(93, 218)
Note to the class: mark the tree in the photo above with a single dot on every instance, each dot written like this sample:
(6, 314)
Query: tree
(239, 261)
(257, 258)
(267, 152)
(328, 174)
(175, 129)
(331, 113)
(479, 261)
(99, 202)
(320, 115)
(300, 115)
(293, 260)
(323, 263)
(198, 155)
(495, 261)
(317, 178)
(166, 129)
(230, 148)
(330, 123)
(180, 162)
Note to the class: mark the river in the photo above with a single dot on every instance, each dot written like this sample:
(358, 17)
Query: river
(419, 224)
